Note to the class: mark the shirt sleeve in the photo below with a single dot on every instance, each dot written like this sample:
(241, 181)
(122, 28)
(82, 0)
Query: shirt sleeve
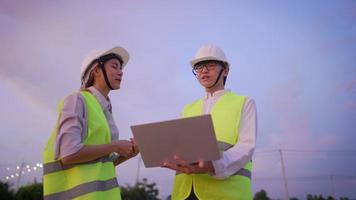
(71, 126)
(236, 157)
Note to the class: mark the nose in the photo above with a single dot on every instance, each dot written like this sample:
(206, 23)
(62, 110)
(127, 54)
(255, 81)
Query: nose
(120, 73)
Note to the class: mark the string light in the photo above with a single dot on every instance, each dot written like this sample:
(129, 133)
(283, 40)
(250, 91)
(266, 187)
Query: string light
(17, 170)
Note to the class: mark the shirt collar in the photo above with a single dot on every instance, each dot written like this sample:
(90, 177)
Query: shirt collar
(104, 102)
(216, 94)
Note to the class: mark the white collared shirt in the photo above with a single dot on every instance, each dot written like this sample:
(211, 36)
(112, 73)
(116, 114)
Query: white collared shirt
(236, 157)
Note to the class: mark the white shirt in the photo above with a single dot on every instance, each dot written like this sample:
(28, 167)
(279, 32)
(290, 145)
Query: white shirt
(236, 157)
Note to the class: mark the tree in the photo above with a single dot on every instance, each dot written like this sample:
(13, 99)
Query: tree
(261, 195)
(6, 192)
(33, 191)
(141, 190)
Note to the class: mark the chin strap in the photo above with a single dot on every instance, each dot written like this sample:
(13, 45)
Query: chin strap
(106, 78)
(217, 79)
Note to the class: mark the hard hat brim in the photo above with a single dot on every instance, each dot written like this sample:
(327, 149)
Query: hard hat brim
(195, 61)
(121, 52)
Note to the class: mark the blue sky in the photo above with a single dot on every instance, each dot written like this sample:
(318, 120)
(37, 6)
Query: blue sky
(295, 58)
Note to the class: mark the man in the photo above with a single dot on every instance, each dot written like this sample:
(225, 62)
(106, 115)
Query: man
(235, 123)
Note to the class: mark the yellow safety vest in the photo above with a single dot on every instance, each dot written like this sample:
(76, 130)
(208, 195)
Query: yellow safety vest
(226, 115)
(91, 180)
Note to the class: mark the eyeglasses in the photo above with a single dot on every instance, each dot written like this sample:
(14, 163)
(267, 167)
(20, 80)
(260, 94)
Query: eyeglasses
(210, 65)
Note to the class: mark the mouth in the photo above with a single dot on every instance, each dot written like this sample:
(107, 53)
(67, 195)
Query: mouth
(205, 78)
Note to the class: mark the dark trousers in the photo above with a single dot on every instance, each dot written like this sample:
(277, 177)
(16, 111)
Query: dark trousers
(192, 195)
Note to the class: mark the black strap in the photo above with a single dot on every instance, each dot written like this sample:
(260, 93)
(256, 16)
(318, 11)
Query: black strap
(105, 76)
(221, 71)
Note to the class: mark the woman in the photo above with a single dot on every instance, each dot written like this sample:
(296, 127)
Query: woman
(81, 154)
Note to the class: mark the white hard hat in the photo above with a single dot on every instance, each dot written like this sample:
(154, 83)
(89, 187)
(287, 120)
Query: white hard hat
(209, 52)
(97, 53)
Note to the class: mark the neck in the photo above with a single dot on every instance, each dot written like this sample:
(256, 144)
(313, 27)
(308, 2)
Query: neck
(103, 89)
(217, 87)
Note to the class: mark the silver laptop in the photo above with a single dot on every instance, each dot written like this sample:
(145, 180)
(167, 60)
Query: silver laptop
(191, 138)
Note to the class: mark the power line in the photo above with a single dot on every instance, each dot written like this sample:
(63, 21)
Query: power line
(308, 178)
(271, 151)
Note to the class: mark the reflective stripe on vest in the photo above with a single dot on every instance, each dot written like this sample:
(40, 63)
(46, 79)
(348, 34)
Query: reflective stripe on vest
(90, 180)
(58, 166)
(84, 189)
(226, 115)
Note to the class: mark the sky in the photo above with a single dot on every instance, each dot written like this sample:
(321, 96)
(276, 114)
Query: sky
(296, 59)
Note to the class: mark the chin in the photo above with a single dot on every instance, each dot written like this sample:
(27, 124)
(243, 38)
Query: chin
(116, 87)
(205, 84)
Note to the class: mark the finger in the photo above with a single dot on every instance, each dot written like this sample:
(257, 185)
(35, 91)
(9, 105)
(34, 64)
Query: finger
(169, 165)
(201, 163)
(180, 161)
(136, 149)
(133, 145)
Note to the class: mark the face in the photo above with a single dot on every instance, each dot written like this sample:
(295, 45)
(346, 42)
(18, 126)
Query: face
(114, 72)
(207, 74)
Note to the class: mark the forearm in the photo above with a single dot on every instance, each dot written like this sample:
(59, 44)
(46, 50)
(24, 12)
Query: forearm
(88, 153)
(232, 161)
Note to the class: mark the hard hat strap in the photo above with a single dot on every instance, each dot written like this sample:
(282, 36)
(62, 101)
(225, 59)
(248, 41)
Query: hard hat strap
(217, 79)
(101, 65)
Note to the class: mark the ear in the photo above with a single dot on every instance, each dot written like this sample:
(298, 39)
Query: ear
(226, 71)
(96, 71)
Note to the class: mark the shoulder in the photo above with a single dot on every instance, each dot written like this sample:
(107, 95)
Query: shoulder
(249, 105)
(248, 101)
(73, 97)
(73, 101)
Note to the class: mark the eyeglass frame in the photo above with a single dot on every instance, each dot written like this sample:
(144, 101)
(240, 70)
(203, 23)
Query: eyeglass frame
(204, 64)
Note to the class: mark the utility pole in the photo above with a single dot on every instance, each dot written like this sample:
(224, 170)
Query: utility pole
(284, 174)
(138, 169)
(332, 186)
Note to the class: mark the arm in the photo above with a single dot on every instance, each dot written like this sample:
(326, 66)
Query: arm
(233, 159)
(92, 152)
(236, 158)
(71, 131)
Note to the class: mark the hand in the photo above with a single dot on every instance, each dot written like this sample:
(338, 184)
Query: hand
(134, 153)
(123, 147)
(183, 166)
